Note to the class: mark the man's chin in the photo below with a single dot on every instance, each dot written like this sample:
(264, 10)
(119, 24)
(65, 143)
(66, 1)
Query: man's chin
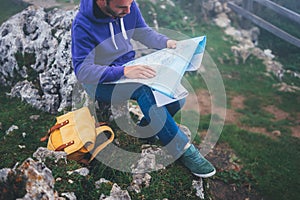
(121, 15)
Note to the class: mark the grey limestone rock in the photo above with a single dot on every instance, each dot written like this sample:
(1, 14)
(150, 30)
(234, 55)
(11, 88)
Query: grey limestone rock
(35, 57)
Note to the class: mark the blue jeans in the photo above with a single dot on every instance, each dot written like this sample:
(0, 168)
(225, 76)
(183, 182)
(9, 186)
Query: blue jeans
(156, 121)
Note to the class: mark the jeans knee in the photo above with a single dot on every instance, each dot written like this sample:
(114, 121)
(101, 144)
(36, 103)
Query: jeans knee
(143, 90)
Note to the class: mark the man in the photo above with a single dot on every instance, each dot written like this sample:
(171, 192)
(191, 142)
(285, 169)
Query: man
(101, 35)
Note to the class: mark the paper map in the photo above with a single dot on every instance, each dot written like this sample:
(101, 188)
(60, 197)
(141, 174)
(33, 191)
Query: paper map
(170, 66)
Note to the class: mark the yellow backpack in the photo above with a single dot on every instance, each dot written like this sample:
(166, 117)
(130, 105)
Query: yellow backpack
(75, 133)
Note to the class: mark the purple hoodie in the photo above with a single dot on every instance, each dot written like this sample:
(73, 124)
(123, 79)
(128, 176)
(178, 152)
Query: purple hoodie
(101, 45)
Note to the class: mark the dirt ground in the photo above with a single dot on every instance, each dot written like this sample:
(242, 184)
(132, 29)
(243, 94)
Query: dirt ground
(203, 105)
(225, 159)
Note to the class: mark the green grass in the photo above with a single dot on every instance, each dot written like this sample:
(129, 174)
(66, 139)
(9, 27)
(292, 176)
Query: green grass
(9, 8)
(273, 163)
(14, 112)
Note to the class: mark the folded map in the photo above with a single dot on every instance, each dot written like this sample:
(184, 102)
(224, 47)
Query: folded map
(170, 66)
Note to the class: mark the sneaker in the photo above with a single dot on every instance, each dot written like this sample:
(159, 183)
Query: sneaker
(195, 162)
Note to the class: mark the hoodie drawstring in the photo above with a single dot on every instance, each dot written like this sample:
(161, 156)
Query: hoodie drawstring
(112, 32)
(123, 29)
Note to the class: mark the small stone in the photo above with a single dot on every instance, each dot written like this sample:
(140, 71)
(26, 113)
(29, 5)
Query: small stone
(82, 171)
(198, 186)
(69, 195)
(21, 146)
(34, 117)
(276, 133)
(11, 129)
(58, 179)
(70, 181)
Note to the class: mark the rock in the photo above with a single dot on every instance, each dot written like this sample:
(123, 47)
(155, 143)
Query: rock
(4, 174)
(276, 133)
(42, 153)
(11, 129)
(34, 178)
(12, 184)
(35, 48)
(135, 110)
(284, 87)
(28, 92)
(236, 34)
(198, 186)
(268, 53)
(222, 20)
(146, 163)
(218, 7)
(247, 40)
(81, 171)
(34, 117)
(139, 181)
(241, 51)
(69, 195)
(116, 193)
(101, 181)
(21, 146)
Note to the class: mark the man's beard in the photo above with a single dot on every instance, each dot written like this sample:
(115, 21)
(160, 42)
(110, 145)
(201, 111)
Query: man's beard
(113, 13)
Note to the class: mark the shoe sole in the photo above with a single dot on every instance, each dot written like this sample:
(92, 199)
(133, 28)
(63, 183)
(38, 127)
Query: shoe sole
(205, 175)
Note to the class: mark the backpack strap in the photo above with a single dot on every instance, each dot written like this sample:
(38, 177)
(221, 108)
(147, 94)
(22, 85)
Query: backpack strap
(100, 130)
(63, 146)
(53, 128)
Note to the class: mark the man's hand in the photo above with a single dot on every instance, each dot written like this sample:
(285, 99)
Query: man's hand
(139, 71)
(171, 44)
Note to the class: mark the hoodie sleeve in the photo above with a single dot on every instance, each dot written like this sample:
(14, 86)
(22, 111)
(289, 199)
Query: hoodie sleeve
(83, 57)
(146, 35)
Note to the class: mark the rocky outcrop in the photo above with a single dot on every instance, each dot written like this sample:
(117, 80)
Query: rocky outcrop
(247, 41)
(31, 180)
(35, 57)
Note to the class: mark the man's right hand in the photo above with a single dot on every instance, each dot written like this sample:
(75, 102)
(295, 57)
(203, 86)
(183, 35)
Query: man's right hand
(139, 71)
